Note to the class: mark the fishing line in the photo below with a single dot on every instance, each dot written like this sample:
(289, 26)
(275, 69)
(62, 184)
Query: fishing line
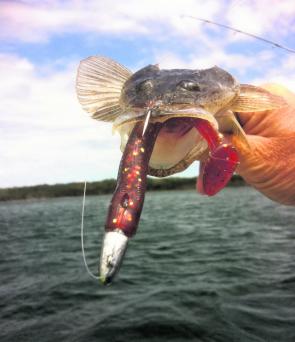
(82, 237)
(274, 44)
(147, 119)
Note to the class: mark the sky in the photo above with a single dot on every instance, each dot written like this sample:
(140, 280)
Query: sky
(45, 137)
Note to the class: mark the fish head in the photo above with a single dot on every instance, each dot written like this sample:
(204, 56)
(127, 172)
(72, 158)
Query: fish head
(175, 97)
(110, 92)
(168, 91)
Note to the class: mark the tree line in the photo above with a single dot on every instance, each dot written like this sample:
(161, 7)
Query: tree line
(106, 186)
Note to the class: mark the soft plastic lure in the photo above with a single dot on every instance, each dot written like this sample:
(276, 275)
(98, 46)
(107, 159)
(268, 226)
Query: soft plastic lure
(127, 201)
(223, 159)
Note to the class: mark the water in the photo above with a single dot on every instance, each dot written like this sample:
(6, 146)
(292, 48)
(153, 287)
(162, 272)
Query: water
(199, 269)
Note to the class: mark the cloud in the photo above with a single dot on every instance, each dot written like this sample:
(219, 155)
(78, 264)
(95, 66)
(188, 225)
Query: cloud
(38, 21)
(263, 16)
(35, 21)
(282, 73)
(198, 60)
(45, 135)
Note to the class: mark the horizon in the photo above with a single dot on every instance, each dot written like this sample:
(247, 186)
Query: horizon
(94, 181)
(46, 136)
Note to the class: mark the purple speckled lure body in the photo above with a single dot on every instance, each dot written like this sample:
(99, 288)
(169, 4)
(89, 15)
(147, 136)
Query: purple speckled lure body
(127, 201)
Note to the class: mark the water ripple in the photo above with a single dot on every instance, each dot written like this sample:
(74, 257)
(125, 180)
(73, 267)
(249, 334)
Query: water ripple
(199, 269)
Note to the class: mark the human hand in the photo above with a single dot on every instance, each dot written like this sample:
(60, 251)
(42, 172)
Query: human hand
(269, 165)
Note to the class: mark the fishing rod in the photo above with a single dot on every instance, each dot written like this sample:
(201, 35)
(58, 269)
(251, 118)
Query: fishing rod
(274, 44)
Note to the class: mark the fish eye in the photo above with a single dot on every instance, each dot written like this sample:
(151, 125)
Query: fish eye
(189, 85)
(145, 86)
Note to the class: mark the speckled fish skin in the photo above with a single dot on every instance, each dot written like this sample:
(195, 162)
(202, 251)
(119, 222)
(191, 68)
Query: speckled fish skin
(210, 89)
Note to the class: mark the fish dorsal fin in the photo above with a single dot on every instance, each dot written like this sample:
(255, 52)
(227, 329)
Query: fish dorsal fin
(256, 99)
(99, 84)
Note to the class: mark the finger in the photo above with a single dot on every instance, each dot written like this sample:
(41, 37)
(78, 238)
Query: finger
(249, 154)
(246, 117)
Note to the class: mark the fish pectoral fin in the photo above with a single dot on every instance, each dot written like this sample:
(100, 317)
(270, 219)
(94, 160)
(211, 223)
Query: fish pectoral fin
(99, 84)
(228, 124)
(255, 99)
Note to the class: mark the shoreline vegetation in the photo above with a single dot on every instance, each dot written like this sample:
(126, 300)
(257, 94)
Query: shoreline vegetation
(106, 186)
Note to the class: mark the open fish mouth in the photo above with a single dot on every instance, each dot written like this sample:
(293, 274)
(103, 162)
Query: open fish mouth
(163, 113)
(178, 143)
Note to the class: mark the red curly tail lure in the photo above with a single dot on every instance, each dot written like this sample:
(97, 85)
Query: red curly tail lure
(223, 159)
(127, 202)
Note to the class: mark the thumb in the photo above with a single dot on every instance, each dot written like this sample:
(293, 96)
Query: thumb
(250, 155)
